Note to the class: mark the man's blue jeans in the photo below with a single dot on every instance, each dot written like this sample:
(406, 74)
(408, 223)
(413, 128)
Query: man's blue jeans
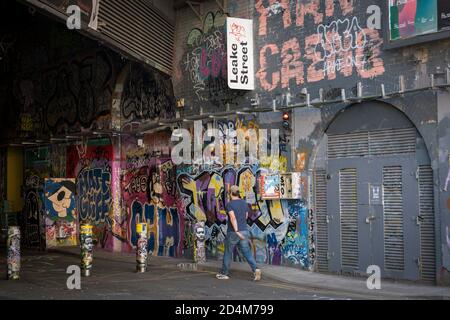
(231, 240)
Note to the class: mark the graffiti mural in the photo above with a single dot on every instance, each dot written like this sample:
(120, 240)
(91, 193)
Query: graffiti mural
(205, 197)
(295, 245)
(91, 166)
(204, 62)
(149, 194)
(33, 211)
(94, 194)
(68, 96)
(37, 168)
(61, 217)
(146, 95)
(329, 45)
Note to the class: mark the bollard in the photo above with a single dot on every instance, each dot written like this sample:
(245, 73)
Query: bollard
(199, 243)
(13, 259)
(141, 247)
(86, 245)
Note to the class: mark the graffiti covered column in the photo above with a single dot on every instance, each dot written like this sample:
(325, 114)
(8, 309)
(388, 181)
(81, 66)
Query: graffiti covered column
(116, 216)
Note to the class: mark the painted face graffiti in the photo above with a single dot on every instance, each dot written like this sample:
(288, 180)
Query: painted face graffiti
(61, 216)
(62, 199)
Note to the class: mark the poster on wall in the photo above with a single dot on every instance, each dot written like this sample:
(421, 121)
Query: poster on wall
(409, 18)
(285, 186)
(60, 212)
(269, 186)
(443, 14)
(299, 186)
(240, 54)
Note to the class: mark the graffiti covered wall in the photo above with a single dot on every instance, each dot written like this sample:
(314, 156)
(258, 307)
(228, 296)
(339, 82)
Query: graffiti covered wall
(146, 95)
(68, 96)
(150, 195)
(278, 228)
(200, 59)
(91, 166)
(37, 168)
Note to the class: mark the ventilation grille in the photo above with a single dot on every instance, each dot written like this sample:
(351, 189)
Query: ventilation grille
(320, 193)
(349, 217)
(393, 218)
(349, 145)
(427, 234)
(140, 28)
(373, 143)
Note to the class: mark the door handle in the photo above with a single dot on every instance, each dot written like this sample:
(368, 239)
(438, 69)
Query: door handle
(419, 220)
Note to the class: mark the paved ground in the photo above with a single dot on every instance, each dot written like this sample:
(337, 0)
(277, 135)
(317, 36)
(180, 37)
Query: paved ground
(43, 276)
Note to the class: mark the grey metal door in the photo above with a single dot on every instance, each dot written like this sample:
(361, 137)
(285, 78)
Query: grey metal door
(373, 216)
(373, 203)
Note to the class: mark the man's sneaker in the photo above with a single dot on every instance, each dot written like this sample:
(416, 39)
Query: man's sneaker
(257, 275)
(222, 276)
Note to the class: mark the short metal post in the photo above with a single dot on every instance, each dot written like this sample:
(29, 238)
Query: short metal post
(141, 247)
(87, 245)
(13, 259)
(199, 243)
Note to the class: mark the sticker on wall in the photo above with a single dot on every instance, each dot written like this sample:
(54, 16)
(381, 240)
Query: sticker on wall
(299, 186)
(375, 194)
(270, 186)
(60, 212)
(240, 54)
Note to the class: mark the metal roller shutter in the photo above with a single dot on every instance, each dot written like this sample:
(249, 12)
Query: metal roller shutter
(141, 28)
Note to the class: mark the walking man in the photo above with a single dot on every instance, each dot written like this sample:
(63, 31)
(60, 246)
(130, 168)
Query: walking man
(237, 233)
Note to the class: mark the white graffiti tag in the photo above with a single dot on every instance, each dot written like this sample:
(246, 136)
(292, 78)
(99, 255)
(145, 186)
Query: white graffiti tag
(338, 37)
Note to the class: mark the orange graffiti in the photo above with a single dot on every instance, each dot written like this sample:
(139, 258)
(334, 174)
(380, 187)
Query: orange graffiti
(311, 8)
(300, 162)
(264, 14)
(262, 73)
(292, 67)
(346, 7)
(374, 65)
(314, 74)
